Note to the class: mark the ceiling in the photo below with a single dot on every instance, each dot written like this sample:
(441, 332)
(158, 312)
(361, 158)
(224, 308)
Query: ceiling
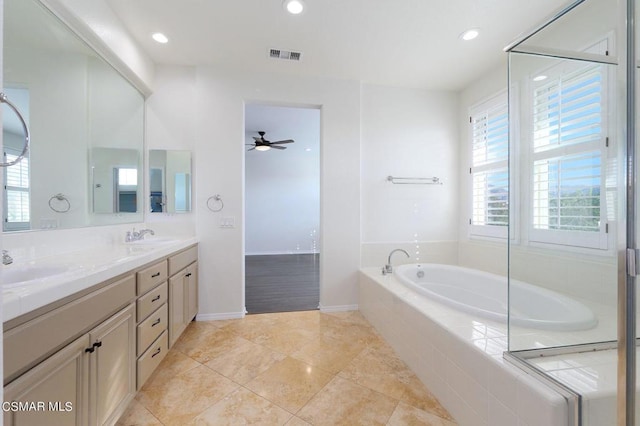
(404, 43)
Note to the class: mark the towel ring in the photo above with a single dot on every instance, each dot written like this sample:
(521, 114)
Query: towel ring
(25, 128)
(60, 197)
(217, 199)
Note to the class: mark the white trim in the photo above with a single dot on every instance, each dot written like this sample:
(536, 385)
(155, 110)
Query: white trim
(220, 316)
(338, 308)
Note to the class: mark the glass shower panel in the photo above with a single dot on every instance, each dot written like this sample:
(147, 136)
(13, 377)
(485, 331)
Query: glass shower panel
(581, 29)
(564, 168)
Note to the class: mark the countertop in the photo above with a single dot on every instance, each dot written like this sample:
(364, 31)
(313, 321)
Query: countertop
(69, 273)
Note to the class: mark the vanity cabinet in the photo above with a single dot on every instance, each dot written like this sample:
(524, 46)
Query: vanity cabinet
(88, 382)
(80, 360)
(183, 292)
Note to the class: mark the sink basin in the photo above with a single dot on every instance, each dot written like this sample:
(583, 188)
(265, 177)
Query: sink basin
(153, 240)
(11, 275)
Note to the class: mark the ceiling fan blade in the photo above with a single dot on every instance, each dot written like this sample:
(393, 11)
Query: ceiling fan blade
(278, 147)
(285, 141)
(251, 149)
(250, 144)
(257, 138)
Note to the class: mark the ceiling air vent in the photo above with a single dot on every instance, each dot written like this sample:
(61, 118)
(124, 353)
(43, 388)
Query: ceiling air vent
(285, 54)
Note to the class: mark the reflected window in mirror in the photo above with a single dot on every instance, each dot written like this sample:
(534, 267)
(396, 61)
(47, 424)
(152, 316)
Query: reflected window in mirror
(16, 212)
(169, 181)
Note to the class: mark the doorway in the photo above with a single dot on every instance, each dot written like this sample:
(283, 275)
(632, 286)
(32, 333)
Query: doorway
(282, 208)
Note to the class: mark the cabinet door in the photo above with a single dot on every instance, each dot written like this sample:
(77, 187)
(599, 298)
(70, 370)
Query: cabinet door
(177, 311)
(191, 297)
(112, 366)
(56, 390)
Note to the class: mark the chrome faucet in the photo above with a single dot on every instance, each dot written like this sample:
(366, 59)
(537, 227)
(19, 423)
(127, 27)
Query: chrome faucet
(388, 269)
(6, 259)
(137, 235)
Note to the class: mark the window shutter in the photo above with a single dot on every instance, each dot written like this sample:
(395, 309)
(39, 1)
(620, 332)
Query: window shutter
(490, 178)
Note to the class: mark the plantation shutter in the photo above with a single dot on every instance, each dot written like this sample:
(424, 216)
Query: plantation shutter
(17, 193)
(489, 172)
(568, 157)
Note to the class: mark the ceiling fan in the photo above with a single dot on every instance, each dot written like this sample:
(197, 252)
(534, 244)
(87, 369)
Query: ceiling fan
(261, 144)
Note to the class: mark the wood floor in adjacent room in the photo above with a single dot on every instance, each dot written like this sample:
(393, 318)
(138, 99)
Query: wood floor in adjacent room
(282, 283)
(293, 368)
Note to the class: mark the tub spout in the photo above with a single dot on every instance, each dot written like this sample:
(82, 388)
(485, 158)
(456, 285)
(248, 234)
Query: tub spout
(388, 269)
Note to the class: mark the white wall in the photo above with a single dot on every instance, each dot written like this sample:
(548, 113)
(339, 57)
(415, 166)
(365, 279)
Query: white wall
(99, 25)
(282, 187)
(221, 97)
(409, 133)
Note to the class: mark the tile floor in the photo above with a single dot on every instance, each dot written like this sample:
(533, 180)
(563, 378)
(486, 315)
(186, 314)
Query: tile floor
(295, 368)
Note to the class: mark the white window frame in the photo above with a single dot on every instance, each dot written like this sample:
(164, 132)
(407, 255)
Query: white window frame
(498, 102)
(571, 238)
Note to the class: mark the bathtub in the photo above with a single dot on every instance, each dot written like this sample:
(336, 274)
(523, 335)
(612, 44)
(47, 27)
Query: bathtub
(456, 354)
(485, 295)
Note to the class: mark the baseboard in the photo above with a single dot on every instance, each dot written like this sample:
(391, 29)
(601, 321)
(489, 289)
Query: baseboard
(338, 308)
(221, 316)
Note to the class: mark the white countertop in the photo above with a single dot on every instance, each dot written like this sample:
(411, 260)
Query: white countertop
(69, 273)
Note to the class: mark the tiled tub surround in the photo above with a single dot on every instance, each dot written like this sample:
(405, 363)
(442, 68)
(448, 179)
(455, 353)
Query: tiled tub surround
(77, 271)
(458, 357)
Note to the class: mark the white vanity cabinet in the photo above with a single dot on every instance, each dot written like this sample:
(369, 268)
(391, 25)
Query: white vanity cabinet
(183, 291)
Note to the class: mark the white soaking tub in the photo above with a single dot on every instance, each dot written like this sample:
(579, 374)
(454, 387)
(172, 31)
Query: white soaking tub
(485, 295)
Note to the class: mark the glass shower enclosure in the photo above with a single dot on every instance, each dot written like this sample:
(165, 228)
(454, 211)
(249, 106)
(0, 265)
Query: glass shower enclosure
(572, 184)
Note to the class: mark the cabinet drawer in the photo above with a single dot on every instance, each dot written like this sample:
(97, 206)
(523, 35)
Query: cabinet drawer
(182, 260)
(151, 276)
(151, 301)
(152, 327)
(152, 357)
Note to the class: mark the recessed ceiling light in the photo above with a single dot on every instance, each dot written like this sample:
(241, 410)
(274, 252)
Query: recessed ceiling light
(539, 78)
(469, 34)
(295, 7)
(160, 38)
(308, 149)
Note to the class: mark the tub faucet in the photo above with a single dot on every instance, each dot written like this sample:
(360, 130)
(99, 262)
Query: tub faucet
(6, 259)
(388, 268)
(137, 235)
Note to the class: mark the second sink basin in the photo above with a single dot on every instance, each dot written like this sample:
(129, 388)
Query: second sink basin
(12, 275)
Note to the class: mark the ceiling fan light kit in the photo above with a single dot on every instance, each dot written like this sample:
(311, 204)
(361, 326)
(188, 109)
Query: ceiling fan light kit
(261, 144)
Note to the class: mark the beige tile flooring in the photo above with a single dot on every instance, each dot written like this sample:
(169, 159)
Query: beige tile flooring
(295, 368)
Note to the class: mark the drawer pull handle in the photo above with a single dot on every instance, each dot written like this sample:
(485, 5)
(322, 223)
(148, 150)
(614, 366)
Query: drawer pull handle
(157, 352)
(157, 274)
(155, 298)
(97, 344)
(156, 322)
(188, 275)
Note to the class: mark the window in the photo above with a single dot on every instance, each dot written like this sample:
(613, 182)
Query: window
(16, 193)
(489, 168)
(567, 156)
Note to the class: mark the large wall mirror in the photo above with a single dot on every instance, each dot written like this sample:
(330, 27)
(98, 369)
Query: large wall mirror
(169, 181)
(86, 121)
